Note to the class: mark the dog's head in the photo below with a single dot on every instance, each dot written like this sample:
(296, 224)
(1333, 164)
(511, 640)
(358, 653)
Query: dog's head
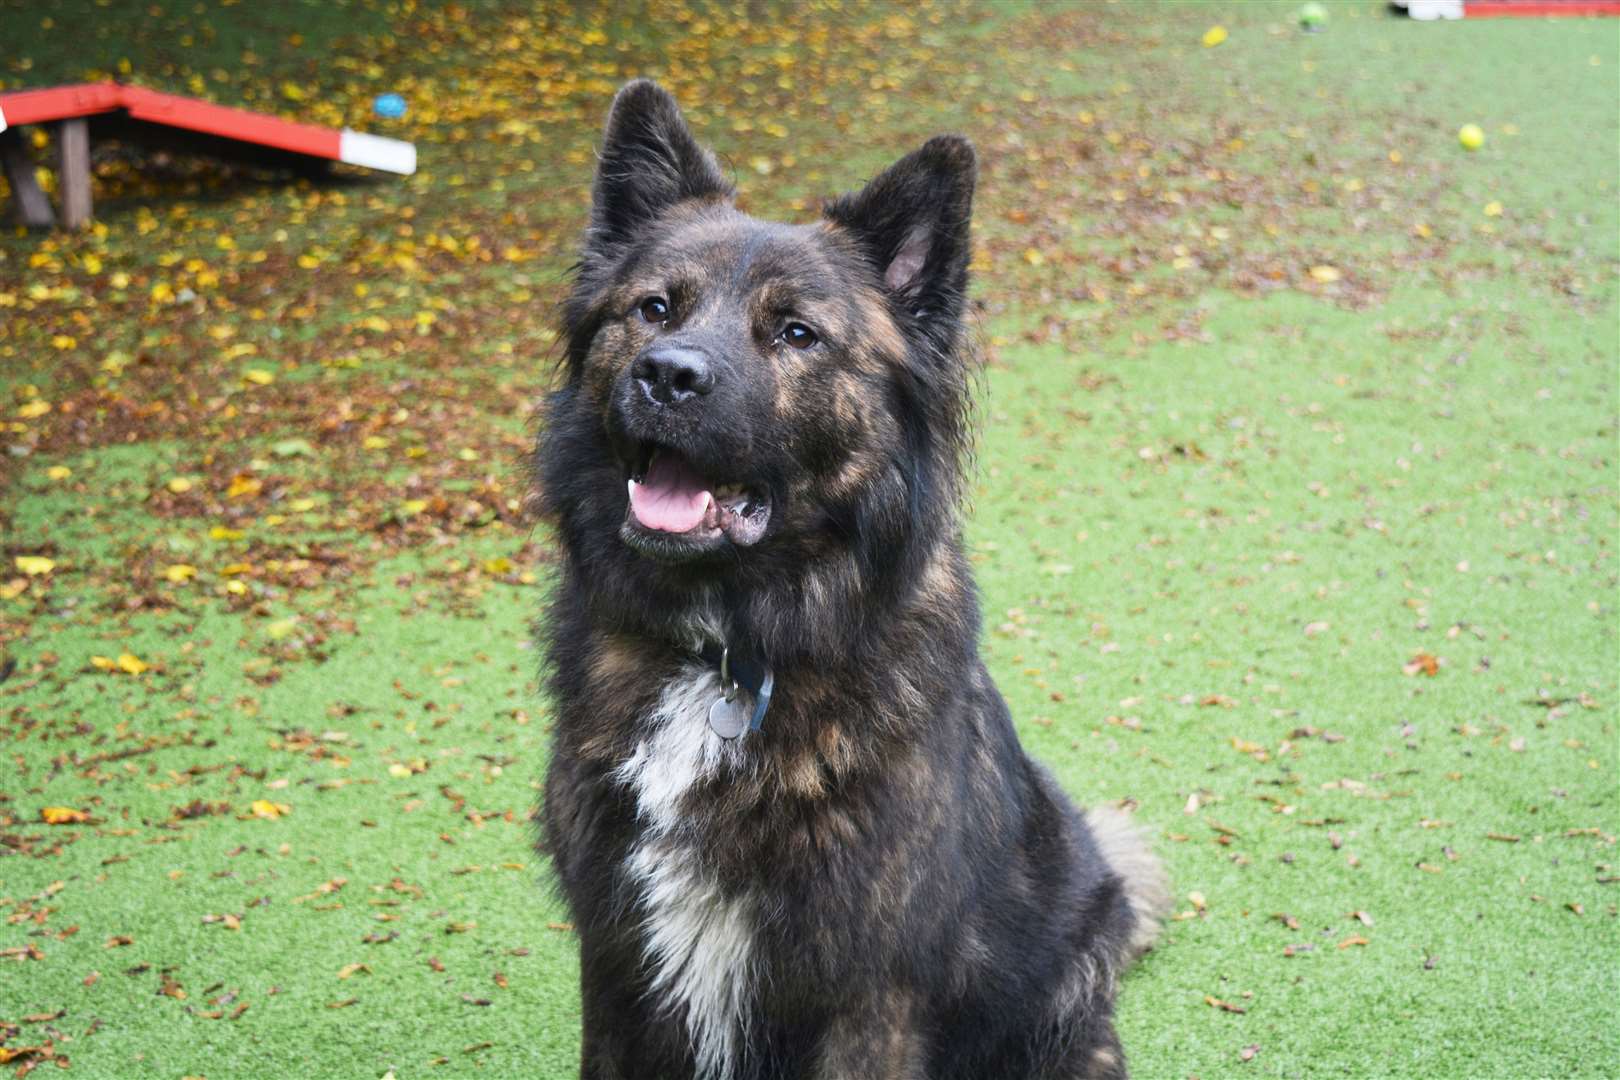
(748, 404)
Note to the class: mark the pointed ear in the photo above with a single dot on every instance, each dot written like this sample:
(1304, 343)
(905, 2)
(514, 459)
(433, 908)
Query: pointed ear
(649, 162)
(912, 223)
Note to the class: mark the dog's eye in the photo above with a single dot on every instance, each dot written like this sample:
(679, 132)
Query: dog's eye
(654, 309)
(798, 335)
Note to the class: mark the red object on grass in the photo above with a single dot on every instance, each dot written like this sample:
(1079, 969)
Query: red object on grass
(149, 106)
(1527, 9)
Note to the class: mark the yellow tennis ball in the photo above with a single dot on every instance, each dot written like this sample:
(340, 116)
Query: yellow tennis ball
(1471, 136)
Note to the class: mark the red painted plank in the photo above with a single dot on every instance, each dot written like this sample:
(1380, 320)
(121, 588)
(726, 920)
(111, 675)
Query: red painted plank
(59, 102)
(194, 115)
(87, 99)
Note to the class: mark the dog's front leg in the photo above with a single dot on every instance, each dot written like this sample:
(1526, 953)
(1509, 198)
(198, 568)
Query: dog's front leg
(597, 1057)
(876, 1040)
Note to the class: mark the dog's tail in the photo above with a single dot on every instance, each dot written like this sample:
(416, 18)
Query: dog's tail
(1147, 886)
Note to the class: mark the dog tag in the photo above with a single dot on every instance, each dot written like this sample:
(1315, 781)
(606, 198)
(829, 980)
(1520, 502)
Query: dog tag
(729, 719)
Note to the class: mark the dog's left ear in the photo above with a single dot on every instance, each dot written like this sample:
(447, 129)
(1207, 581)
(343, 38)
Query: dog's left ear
(912, 223)
(649, 162)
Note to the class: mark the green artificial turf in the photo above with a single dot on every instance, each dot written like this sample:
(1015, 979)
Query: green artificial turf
(1294, 516)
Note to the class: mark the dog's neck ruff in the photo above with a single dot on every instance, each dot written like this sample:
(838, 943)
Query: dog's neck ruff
(728, 717)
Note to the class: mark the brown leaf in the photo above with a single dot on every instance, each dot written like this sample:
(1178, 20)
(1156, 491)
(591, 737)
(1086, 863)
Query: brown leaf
(1224, 1006)
(1422, 663)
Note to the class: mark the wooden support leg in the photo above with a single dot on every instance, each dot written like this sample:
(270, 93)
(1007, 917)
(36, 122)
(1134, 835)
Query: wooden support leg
(73, 142)
(33, 208)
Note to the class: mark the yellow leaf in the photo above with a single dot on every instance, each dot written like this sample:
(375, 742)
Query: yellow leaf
(1326, 274)
(58, 472)
(62, 815)
(232, 569)
(235, 588)
(63, 342)
(243, 485)
(268, 810)
(132, 664)
(281, 628)
(179, 572)
(33, 409)
(399, 771)
(500, 565)
(1493, 209)
(414, 506)
(162, 292)
(1033, 257)
(221, 532)
(1214, 36)
(35, 565)
(292, 91)
(102, 663)
(259, 376)
(179, 485)
(374, 442)
(308, 262)
(299, 506)
(92, 263)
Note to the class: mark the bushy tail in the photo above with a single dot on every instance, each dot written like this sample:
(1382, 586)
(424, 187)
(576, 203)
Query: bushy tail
(1147, 886)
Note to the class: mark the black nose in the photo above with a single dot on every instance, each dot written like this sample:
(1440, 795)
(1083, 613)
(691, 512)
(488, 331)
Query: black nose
(670, 375)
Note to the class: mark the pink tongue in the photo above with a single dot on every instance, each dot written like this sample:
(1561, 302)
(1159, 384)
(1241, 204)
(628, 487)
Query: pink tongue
(671, 497)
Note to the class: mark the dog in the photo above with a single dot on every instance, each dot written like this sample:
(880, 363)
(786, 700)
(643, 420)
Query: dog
(785, 803)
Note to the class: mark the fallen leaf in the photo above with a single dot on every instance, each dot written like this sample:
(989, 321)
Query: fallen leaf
(1224, 1006)
(268, 810)
(1424, 663)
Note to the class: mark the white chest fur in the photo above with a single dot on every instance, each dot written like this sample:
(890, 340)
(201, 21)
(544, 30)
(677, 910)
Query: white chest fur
(699, 943)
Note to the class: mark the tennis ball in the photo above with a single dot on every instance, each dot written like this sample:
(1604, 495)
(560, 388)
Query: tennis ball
(1471, 136)
(1313, 16)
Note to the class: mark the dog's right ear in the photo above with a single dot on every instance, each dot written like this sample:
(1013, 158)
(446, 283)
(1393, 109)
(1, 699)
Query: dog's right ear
(649, 162)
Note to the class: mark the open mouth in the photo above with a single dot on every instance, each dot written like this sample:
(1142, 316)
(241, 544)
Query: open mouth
(677, 513)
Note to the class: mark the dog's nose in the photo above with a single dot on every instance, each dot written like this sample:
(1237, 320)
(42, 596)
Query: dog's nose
(671, 375)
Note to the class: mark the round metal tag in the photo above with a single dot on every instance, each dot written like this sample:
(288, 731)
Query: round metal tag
(728, 719)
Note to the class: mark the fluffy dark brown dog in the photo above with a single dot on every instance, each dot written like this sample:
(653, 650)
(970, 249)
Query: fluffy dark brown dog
(786, 804)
